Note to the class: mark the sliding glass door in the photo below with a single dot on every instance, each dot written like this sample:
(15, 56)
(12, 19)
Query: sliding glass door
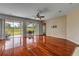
(32, 31)
(13, 33)
(16, 30)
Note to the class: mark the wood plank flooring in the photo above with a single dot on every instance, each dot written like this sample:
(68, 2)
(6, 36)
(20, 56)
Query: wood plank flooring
(37, 46)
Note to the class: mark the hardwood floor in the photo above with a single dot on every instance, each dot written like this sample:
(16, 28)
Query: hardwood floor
(37, 46)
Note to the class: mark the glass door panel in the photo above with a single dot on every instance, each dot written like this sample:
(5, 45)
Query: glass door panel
(9, 33)
(30, 32)
(17, 33)
(36, 29)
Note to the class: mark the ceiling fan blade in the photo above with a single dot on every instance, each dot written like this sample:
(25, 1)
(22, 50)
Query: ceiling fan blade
(42, 16)
(34, 16)
(38, 14)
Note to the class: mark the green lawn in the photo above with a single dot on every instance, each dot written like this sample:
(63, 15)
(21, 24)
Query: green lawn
(13, 31)
(16, 31)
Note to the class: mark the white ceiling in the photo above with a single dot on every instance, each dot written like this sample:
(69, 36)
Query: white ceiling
(28, 10)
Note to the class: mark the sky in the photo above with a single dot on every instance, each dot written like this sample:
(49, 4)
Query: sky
(14, 24)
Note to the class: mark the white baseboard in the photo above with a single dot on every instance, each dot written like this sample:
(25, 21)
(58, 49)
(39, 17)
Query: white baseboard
(74, 41)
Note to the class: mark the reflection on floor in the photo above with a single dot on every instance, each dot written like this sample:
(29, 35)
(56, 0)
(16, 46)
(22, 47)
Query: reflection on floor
(36, 46)
(12, 42)
(76, 52)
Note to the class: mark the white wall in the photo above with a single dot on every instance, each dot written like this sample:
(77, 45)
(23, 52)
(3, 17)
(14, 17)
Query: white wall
(60, 31)
(67, 26)
(73, 26)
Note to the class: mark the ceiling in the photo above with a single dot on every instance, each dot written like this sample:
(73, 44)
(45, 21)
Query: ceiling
(28, 10)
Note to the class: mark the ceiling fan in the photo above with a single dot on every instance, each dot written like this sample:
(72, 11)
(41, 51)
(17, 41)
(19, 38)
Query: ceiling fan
(39, 12)
(39, 16)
